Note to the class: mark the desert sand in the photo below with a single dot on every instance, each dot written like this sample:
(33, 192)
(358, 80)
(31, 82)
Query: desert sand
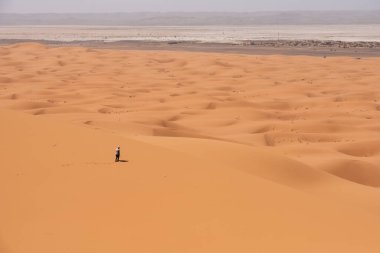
(222, 152)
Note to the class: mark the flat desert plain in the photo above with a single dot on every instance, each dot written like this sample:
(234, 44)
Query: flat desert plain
(220, 152)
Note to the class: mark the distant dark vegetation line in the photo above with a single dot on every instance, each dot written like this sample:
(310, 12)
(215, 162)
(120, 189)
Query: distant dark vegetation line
(196, 18)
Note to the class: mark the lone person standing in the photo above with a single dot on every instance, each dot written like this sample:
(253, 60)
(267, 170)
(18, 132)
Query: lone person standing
(117, 159)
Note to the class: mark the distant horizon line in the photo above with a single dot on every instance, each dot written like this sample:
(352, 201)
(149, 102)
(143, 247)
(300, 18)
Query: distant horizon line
(188, 12)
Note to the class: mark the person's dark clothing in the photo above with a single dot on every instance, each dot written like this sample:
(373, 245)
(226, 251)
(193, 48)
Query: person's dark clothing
(117, 155)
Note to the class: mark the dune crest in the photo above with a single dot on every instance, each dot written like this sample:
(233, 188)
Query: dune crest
(222, 152)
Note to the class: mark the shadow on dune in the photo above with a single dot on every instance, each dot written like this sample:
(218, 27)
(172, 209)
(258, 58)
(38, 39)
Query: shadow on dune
(2, 247)
(123, 161)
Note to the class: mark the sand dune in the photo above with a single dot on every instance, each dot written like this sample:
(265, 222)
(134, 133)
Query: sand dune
(73, 197)
(357, 171)
(226, 153)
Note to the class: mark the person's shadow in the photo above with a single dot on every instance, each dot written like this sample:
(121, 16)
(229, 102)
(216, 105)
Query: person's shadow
(123, 161)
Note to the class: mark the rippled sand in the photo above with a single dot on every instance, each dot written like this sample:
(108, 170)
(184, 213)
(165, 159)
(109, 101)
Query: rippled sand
(222, 152)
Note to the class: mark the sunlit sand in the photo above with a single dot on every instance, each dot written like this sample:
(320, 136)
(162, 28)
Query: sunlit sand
(226, 153)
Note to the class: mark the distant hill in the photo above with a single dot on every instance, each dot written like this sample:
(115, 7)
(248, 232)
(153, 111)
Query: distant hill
(188, 19)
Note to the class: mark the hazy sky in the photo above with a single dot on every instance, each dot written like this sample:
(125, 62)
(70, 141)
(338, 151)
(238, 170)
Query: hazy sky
(41, 6)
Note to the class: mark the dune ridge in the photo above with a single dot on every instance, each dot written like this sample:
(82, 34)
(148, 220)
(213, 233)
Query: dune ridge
(223, 152)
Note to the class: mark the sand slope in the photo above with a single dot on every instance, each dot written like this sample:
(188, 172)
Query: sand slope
(72, 197)
(271, 153)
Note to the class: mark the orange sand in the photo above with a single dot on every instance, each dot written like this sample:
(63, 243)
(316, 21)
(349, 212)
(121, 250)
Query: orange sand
(271, 153)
